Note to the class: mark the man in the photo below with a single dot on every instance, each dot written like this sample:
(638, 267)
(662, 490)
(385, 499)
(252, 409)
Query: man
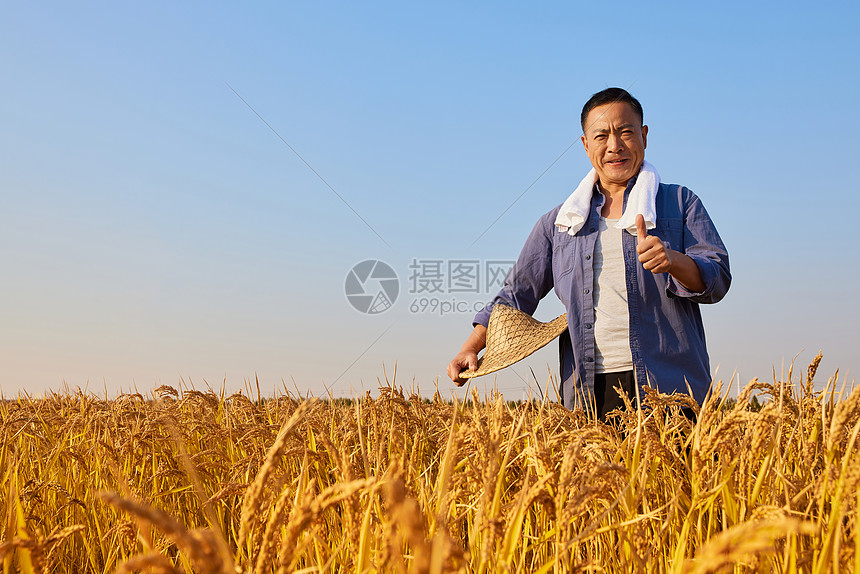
(630, 279)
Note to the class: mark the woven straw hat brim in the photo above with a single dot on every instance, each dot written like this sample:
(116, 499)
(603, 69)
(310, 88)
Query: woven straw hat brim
(512, 336)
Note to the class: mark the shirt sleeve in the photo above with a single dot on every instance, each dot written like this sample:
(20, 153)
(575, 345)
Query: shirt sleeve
(703, 245)
(530, 279)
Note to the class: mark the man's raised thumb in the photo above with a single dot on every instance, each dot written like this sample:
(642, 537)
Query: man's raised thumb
(640, 227)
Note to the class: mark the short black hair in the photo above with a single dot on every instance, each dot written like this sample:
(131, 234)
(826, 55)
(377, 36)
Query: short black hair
(611, 96)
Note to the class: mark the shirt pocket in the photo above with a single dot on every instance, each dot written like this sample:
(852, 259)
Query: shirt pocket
(563, 255)
(672, 232)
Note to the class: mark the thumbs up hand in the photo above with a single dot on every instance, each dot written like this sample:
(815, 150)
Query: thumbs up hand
(654, 254)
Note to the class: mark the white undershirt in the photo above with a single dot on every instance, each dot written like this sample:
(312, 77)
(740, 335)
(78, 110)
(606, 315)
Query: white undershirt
(611, 314)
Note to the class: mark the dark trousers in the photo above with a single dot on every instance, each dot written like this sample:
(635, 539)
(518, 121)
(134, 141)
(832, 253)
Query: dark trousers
(608, 399)
(605, 395)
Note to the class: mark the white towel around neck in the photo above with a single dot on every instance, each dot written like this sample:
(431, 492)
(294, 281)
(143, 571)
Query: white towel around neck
(642, 199)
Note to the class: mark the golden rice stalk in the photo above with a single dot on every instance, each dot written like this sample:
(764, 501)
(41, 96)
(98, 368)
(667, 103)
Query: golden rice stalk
(742, 542)
(309, 510)
(407, 516)
(52, 542)
(847, 412)
(150, 562)
(276, 518)
(810, 373)
(230, 489)
(200, 545)
(254, 494)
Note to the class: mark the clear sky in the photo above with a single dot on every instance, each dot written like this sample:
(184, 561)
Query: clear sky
(184, 188)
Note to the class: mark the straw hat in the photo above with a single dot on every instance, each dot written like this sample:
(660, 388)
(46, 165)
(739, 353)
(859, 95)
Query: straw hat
(513, 336)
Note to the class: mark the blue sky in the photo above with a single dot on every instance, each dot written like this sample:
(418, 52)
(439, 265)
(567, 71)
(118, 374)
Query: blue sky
(154, 229)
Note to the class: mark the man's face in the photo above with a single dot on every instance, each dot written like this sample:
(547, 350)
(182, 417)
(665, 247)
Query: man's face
(615, 142)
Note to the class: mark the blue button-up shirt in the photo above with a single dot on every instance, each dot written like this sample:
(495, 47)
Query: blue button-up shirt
(667, 338)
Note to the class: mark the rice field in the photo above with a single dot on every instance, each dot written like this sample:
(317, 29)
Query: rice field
(190, 481)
